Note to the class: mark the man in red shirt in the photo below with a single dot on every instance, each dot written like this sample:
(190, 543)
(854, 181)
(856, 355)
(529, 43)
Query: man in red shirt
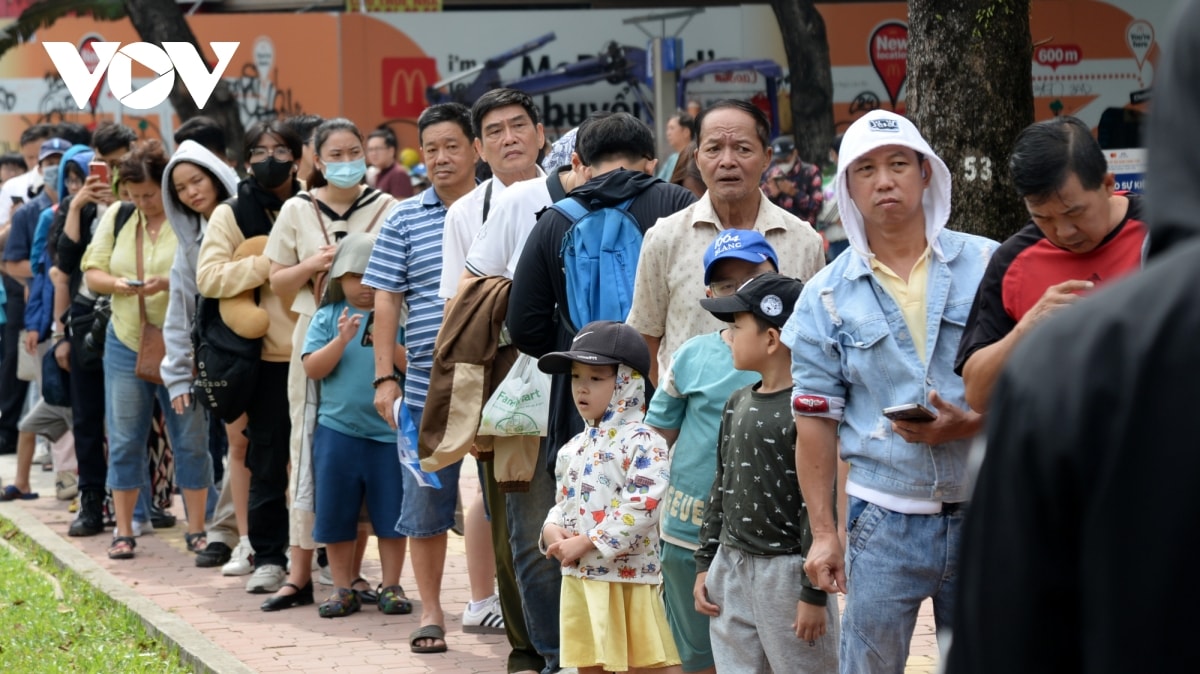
(1081, 233)
(381, 153)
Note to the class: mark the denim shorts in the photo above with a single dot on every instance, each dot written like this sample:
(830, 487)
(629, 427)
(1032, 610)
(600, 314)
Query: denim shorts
(428, 512)
(348, 472)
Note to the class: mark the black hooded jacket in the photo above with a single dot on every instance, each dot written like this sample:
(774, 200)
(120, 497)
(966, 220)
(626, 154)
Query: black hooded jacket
(1077, 550)
(539, 287)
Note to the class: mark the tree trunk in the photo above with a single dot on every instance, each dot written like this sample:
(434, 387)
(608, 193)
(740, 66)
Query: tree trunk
(970, 93)
(811, 77)
(156, 22)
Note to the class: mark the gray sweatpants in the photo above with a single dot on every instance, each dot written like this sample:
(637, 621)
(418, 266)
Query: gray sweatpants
(754, 634)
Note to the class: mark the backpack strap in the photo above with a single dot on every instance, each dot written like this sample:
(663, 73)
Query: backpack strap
(487, 200)
(124, 212)
(572, 208)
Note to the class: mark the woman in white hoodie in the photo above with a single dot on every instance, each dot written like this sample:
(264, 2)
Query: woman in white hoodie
(193, 184)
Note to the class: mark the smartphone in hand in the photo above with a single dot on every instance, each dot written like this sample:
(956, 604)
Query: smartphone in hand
(909, 412)
(134, 283)
(368, 337)
(99, 168)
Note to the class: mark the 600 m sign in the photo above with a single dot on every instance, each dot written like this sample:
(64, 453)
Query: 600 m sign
(117, 61)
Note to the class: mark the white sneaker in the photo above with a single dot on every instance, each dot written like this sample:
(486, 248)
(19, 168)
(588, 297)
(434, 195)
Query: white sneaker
(241, 560)
(487, 620)
(139, 528)
(41, 457)
(66, 487)
(266, 579)
(325, 576)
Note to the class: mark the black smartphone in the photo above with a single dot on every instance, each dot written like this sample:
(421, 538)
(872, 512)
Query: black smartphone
(909, 412)
(368, 338)
(134, 283)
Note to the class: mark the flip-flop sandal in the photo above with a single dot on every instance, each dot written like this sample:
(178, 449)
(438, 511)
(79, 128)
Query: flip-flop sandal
(11, 493)
(122, 547)
(367, 596)
(392, 601)
(427, 632)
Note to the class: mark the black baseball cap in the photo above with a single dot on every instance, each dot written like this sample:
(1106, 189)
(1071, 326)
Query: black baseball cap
(770, 296)
(601, 343)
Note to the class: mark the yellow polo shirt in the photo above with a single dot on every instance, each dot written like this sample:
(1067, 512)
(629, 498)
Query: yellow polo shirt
(909, 296)
(119, 258)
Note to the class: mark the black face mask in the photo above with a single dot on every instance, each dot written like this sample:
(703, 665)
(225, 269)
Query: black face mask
(271, 173)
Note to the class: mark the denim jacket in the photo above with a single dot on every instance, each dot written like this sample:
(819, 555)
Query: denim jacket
(852, 356)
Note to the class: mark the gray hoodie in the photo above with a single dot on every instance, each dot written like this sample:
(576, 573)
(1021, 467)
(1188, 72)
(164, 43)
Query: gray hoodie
(189, 229)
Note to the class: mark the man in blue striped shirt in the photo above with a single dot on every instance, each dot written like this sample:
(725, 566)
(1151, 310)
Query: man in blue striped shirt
(406, 265)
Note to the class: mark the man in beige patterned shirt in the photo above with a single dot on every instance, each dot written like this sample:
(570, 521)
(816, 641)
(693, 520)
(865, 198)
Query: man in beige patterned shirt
(733, 151)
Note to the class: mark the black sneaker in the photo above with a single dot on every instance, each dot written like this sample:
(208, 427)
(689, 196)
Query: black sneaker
(90, 520)
(161, 519)
(216, 554)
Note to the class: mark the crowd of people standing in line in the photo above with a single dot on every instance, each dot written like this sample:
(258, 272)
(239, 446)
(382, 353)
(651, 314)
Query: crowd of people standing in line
(777, 418)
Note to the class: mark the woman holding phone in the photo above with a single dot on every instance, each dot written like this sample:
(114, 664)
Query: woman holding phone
(142, 252)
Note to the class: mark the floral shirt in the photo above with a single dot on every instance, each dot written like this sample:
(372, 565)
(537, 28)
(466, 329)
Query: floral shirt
(810, 192)
(611, 480)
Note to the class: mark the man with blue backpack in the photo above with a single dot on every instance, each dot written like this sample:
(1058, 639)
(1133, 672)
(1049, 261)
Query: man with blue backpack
(579, 262)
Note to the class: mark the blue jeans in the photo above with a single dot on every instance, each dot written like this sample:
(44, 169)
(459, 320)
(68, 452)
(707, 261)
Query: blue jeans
(893, 563)
(129, 405)
(540, 579)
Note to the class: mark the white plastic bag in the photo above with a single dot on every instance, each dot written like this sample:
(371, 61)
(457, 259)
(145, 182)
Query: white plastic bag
(520, 405)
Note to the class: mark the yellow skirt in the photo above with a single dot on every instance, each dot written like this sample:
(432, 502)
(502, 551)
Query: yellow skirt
(613, 625)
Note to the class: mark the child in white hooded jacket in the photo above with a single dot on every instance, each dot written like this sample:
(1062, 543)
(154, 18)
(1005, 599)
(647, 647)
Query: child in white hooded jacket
(612, 478)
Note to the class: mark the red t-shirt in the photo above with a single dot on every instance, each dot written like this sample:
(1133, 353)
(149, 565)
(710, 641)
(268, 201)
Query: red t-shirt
(1027, 264)
(395, 181)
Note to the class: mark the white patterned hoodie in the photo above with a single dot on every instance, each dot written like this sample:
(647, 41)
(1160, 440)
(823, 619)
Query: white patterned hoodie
(611, 480)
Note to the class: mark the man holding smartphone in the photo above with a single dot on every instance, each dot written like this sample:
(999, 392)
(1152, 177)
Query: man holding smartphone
(856, 350)
(1081, 233)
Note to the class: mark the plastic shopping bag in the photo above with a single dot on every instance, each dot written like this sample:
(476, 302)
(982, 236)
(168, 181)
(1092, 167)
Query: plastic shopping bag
(520, 405)
(406, 446)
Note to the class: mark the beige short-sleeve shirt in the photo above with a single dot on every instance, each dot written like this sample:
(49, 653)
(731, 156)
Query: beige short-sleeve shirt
(670, 274)
(297, 233)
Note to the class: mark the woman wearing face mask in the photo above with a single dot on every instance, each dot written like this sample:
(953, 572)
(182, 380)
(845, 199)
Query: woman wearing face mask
(272, 149)
(301, 246)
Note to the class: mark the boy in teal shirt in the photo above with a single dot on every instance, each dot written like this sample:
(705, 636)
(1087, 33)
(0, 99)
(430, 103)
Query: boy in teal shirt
(686, 409)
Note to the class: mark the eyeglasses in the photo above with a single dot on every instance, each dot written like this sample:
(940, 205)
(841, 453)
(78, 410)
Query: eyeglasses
(281, 152)
(727, 288)
(723, 288)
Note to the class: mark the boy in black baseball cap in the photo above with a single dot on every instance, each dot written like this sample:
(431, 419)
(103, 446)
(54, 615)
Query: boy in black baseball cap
(611, 478)
(753, 556)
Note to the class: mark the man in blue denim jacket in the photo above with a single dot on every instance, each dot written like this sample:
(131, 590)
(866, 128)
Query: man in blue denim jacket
(879, 328)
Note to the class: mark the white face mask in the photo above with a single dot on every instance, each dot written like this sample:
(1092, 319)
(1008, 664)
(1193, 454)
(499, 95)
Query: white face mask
(786, 166)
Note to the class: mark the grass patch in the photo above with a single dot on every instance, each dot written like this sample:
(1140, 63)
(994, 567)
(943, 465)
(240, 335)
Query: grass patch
(84, 631)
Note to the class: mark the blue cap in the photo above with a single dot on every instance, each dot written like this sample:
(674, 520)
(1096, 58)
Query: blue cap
(738, 244)
(52, 147)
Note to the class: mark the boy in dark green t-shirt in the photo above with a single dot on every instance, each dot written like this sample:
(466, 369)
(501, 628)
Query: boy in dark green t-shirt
(755, 527)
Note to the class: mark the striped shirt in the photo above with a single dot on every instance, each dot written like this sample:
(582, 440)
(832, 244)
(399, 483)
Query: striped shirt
(407, 258)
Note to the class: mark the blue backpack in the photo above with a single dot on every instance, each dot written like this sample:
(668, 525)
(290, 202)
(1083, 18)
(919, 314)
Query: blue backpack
(600, 257)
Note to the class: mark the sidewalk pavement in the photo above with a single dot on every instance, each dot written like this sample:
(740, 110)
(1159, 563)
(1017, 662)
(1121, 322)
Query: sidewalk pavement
(218, 627)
